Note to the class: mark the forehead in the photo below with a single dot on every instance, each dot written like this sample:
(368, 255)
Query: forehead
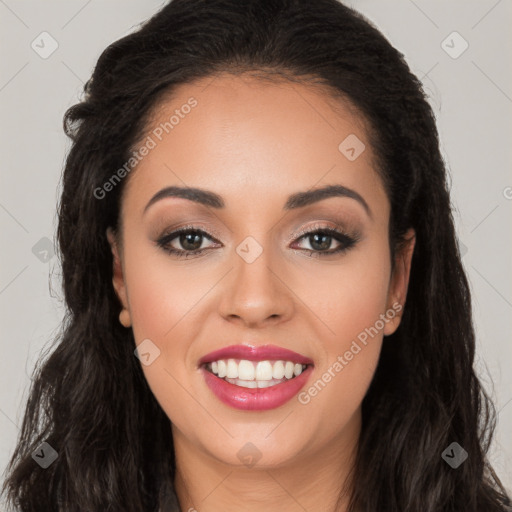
(243, 133)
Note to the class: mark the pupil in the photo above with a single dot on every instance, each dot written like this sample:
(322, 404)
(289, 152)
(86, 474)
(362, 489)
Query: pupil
(190, 238)
(322, 245)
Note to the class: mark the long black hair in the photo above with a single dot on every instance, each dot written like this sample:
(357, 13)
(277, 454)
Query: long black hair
(89, 399)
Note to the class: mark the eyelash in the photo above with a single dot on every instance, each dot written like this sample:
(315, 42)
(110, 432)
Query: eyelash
(346, 241)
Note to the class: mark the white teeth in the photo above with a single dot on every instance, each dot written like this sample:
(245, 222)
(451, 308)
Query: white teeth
(255, 383)
(243, 383)
(246, 370)
(263, 370)
(288, 369)
(221, 365)
(261, 373)
(278, 370)
(232, 369)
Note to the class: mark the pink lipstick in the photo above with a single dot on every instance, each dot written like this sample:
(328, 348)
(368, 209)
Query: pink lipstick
(255, 378)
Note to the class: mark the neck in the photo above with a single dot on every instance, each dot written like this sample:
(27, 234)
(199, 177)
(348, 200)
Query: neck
(317, 480)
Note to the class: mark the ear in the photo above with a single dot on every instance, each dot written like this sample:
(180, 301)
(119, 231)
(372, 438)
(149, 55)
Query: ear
(399, 282)
(117, 269)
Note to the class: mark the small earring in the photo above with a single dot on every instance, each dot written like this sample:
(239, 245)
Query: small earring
(124, 318)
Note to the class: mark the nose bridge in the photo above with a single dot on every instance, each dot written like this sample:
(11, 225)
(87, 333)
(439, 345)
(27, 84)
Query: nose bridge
(253, 261)
(255, 293)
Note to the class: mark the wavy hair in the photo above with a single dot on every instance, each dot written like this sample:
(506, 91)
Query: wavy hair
(89, 398)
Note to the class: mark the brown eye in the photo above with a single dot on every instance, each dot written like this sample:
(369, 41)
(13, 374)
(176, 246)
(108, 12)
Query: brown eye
(184, 242)
(321, 240)
(190, 241)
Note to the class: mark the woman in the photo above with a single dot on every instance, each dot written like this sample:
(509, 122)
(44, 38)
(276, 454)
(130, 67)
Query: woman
(228, 157)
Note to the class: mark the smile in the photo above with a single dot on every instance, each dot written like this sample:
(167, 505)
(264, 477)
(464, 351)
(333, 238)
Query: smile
(251, 374)
(254, 383)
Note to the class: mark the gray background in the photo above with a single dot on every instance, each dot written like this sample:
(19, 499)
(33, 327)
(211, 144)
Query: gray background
(471, 96)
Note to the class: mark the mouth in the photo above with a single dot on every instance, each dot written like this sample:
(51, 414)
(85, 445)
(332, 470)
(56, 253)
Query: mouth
(255, 378)
(251, 374)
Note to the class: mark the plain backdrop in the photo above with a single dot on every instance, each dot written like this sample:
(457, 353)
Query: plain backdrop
(461, 50)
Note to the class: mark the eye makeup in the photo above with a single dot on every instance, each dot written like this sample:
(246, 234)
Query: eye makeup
(191, 234)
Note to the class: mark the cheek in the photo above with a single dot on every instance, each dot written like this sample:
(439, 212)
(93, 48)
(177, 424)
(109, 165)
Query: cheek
(165, 307)
(348, 296)
(352, 304)
(162, 295)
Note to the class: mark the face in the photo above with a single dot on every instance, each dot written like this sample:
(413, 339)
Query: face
(259, 265)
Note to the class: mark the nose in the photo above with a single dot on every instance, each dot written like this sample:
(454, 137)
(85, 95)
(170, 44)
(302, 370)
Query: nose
(255, 293)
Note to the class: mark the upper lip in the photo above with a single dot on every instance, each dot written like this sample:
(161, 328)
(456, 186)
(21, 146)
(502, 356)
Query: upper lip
(252, 353)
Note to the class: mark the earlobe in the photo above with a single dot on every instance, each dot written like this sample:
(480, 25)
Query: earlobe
(399, 283)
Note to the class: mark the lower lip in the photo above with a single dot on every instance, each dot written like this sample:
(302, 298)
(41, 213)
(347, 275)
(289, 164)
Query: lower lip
(256, 399)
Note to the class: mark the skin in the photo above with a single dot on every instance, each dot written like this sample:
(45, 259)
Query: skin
(255, 143)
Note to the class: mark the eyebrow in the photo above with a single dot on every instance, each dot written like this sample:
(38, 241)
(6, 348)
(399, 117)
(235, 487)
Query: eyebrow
(297, 200)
